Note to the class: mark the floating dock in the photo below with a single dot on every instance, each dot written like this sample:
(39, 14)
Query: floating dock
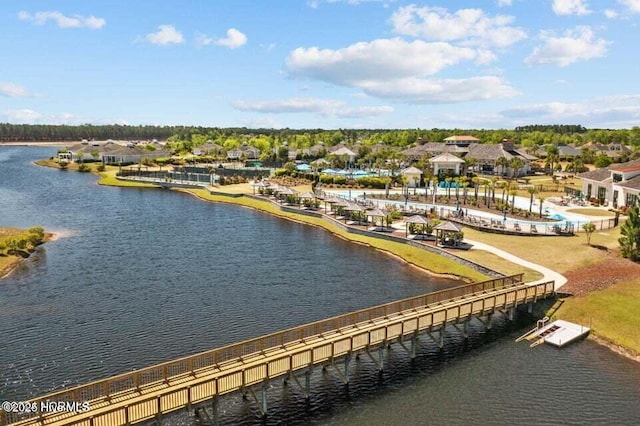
(558, 333)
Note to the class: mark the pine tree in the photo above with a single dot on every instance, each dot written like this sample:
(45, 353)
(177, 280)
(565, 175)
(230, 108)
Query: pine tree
(630, 234)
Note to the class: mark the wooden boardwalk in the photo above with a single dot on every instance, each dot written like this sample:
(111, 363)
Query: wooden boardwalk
(149, 393)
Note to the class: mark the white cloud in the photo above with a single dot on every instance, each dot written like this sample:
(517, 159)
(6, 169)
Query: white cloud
(75, 21)
(575, 45)
(324, 107)
(12, 90)
(632, 5)
(470, 26)
(383, 59)
(28, 116)
(399, 70)
(504, 3)
(233, 40)
(440, 91)
(166, 35)
(610, 13)
(316, 3)
(570, 7)
(612, 111)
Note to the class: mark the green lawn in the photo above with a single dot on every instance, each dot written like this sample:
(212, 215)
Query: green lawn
(592, 212)
(612, 313)
(8, 261)
(499, 264)
(561, 254)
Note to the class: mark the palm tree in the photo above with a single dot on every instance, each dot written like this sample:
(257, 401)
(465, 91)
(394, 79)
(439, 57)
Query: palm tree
(513, 193)
(503, 163)
(448, 181)
(469, 163)
(516, 164)
(553, 155)
(464, 181)
(456, 182)
(532, 191)
(541, 199)
(491, 186)
(476, 186)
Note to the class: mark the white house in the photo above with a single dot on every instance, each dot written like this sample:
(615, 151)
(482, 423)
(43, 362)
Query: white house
(109, 153)
(412, 174)
(447, 164)
(244, 151)
(617, 185)
(345, 152)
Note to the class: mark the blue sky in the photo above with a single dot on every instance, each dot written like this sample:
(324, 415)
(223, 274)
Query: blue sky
(321, 63)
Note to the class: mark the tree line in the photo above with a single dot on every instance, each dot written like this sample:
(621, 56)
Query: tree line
(185, 137)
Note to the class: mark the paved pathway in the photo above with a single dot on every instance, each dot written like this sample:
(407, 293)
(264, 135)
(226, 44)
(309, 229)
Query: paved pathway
(547, 273)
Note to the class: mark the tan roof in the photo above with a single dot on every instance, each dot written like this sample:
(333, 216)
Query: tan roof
(458, 138)
(446, 158)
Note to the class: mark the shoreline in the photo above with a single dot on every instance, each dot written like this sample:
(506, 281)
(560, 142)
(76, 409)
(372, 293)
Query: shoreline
(18, 260)
(625, 352)
(620, 350)
(35, 143)
(333, 232)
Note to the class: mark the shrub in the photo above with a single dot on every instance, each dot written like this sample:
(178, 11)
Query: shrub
(281, 172)
(373, 182)
(100, 167)
(84, 168)
(339, 180)
(326, 179)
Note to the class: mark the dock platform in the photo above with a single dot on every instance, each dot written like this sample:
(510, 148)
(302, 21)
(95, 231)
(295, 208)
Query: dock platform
(558, 333)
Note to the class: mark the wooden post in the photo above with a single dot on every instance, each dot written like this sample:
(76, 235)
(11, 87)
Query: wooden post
(214, 406)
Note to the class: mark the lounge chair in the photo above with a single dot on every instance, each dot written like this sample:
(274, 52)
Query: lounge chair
(534, 230)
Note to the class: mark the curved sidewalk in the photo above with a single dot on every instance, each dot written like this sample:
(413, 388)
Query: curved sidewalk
(547, 273)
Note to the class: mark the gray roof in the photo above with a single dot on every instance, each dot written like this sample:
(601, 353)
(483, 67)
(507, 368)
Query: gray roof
(448, 226)
(603, 174)
(376, 213)
(446, 158)
(417, 219)
(633, 183)
(599, 175)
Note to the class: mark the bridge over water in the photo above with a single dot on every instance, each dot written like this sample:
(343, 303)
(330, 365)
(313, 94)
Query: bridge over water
(292, 354)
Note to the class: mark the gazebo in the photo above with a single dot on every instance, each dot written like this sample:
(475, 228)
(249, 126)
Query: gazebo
(376, 213)
(413, 175)
(448, 234)
(353, 207)
(416, 220)
(307, 196)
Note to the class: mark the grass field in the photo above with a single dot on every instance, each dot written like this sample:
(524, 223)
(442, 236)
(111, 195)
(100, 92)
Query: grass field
(499, 264)
(8, 262)
(592, 212)
(612, 313)
(561, 254)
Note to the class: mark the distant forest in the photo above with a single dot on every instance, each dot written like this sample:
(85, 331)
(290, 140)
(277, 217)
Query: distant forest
(528, 136)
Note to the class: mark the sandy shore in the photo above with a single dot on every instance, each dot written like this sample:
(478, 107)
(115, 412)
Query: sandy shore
(620, 350)
(9, 268)
(53, 144)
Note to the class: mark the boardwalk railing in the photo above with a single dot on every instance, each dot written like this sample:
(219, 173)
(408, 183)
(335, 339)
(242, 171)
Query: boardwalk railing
(194, 364)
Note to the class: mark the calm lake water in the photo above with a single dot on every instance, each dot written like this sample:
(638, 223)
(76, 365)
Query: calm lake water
(144, 276)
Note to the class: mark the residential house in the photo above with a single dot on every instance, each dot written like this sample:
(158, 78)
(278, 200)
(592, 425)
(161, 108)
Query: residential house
(487, 155)
(617, 185)
(244, 151)
(209, 148)
(109, 153)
